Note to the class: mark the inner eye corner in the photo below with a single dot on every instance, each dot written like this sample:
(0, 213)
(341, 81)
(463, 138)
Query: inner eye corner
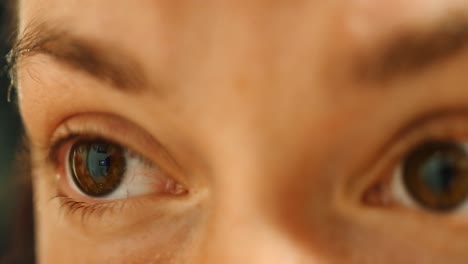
(376, 194)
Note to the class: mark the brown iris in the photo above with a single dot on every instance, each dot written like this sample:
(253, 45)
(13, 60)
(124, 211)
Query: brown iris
(436, 175)
(97, 167)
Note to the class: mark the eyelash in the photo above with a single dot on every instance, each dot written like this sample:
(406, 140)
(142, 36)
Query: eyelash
(72, 207)
(67, 204)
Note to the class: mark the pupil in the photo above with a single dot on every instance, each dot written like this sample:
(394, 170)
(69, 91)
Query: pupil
(99, 161)
(439, 173)
(435, 174)
(97, 167)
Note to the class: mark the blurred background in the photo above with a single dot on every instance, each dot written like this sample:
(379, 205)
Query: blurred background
(9, 139)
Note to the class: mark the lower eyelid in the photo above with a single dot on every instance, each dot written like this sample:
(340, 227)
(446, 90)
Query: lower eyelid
(86, 211)
(94, 218)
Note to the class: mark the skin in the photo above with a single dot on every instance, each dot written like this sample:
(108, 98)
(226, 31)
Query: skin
(258, 106)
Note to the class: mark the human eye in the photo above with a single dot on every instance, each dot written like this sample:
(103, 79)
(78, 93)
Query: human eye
(433, 176)
(428, 171)
(96, 173)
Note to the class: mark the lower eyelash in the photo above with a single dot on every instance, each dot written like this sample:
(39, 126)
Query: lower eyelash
(73, 208)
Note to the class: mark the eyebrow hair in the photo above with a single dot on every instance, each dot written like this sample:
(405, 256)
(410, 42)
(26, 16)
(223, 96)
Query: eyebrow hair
(106, 63)
(414, 50)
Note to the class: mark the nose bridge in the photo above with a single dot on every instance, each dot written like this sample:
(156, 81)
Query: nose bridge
(250, 156)
(239, 227)
(240, 231)
(248, 242)
(251, 166)
(252, 160)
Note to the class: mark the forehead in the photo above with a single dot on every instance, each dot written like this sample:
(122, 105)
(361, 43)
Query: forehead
(164, 22)
(383, 12)
(173, 36)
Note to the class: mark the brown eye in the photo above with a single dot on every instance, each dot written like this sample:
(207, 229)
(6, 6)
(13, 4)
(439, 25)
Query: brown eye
(97, 167)
(435, 175)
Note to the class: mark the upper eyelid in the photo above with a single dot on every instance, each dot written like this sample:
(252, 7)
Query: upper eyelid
(427, 126)
(103, 125)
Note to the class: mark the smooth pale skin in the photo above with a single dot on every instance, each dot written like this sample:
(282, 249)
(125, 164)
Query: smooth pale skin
(276, 140)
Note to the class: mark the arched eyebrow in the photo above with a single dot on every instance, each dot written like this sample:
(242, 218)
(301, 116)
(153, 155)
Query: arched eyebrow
(413, 50)
(107, 63)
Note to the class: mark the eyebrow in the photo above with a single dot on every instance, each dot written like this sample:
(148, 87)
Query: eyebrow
(405, 53)
(414, 50)
(106, 63)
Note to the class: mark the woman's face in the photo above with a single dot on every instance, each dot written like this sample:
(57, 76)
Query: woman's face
(247, 131)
